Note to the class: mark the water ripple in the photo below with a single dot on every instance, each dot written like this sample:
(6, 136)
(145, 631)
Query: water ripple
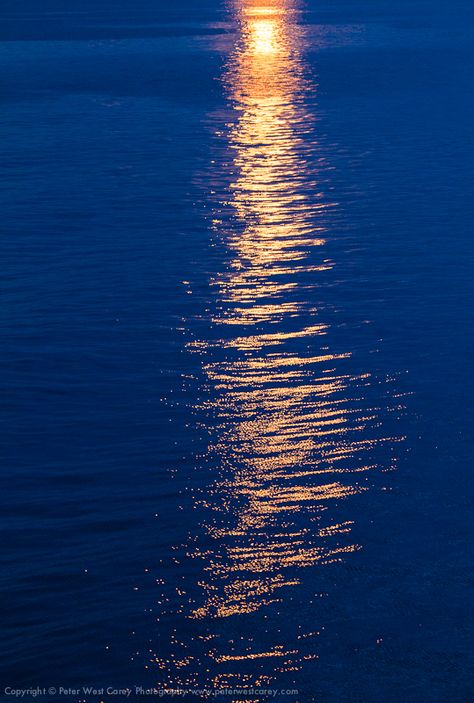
(292, 429)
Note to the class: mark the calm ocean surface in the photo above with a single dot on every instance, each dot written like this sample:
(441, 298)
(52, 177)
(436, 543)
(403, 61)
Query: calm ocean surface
(236, 321)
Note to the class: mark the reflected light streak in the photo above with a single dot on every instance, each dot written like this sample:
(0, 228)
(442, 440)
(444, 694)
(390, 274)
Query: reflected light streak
(294, 437)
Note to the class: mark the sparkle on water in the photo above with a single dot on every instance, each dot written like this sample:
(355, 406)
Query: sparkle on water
(293, 432)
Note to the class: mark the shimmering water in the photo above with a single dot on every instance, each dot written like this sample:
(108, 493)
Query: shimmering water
(236, 321)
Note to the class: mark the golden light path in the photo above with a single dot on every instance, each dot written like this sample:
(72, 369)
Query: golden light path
(293, 434)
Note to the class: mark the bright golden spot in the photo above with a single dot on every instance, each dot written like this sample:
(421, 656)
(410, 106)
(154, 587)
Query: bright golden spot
(263, 36)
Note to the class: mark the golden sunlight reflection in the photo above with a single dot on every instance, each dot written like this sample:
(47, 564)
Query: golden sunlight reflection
(295, 436)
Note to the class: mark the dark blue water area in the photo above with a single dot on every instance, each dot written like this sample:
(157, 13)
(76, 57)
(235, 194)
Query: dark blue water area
(113, 157)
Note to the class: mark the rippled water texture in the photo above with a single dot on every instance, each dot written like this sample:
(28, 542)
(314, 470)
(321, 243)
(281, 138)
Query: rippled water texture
(237, 321)
(292, 428)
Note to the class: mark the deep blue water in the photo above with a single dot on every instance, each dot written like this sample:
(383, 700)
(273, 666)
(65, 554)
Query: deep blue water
(236, 351)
